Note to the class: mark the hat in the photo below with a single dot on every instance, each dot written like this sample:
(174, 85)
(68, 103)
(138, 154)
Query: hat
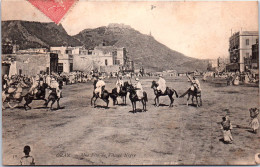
(160, 75)
(136, 79)
(41, 79)
(257, 158)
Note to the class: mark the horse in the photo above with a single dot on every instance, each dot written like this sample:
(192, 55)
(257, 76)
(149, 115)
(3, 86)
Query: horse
(105, 97)
(168, 92)
(134, 98)
(193, 93)
(14, 94)
(53, 97)
(39, 96)
(122, 93)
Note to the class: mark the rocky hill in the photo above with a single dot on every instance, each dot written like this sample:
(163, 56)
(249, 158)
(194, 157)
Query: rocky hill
(143, 49)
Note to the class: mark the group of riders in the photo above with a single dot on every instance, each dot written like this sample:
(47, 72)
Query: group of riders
(12, 88)
(99, 86)
(17, 86)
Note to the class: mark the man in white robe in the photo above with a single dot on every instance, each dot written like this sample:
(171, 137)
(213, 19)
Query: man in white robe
(55, 84)
(119, 84)
(99, 86)
(139, 88)
(161, 84)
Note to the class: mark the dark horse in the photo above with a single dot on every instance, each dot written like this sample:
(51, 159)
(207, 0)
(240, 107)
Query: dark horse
(54, 97)
(104, 96)
(193, 93)
(40, 95)
(134, 98)
(122, 93)
(168, 92)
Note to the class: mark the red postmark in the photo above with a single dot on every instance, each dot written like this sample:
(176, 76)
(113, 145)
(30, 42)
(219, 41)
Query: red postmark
(54, 9)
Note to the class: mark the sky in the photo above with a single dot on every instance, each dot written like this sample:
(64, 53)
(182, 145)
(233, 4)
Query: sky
(196, 29)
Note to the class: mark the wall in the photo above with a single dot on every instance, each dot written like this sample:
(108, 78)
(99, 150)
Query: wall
(66, 60)
(82, 63)
(121, 55)
(109, 69)
(30, 64)
(246, 50)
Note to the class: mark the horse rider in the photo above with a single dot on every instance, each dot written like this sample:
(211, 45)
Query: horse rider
(161, 84)
(119, 84)
(5, 82)
(194, 84)
(40, 88)
(33, 90)
(139, 88)
(100, 86)
(55, 85)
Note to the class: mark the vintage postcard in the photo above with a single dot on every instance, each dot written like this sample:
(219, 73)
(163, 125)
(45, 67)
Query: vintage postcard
(130, 82)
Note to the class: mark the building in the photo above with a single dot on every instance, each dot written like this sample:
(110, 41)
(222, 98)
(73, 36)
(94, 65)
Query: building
(240, 49)
(29, 64)
(105, 59)
(255, 56)
(65, 54)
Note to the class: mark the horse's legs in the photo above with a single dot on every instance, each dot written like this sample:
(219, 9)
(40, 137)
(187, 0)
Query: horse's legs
(95, 101)
(58, 103)
(107, 101)
(143, 104)
(197, 101)
(53, 101)
(133, 106)
(27, 102)
(171, 103)
(200, 101)
(192, 99)
(188, 99)
(46, 104)
(92, 100)
(155, 101)
(158, 103)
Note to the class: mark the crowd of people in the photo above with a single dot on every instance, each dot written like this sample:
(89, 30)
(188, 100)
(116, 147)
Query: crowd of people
(233, 78)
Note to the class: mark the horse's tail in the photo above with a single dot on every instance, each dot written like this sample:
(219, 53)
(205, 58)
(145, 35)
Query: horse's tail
(145, 97)
(176, 94)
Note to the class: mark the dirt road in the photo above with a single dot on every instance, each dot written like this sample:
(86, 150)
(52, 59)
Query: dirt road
(79, 134)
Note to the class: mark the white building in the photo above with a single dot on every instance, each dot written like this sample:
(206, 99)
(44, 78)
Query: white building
(65, 62)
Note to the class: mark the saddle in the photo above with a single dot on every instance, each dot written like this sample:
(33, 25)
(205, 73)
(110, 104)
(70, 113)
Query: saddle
(160, 91)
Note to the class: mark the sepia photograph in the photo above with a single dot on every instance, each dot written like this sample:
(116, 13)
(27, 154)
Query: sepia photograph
(130, 82)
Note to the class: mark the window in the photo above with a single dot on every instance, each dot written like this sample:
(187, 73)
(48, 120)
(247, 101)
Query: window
(60, 67)
(68, 51)
(20, 72)
(48, 70)
(106, 62)
(247, 41)
(71, 67)
(256, 40)
(247, 55)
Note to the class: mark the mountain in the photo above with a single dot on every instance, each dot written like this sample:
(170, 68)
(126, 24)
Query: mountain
(144, 50)
(35, 34)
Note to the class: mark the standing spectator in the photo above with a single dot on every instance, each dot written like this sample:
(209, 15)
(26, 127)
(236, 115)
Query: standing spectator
(226, 126)
(27, 159)
(254, 124)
